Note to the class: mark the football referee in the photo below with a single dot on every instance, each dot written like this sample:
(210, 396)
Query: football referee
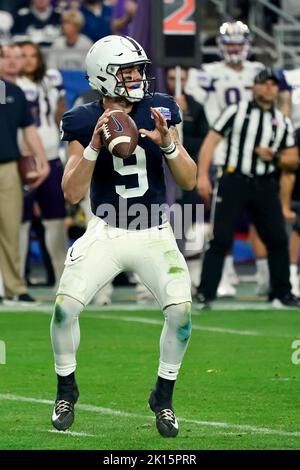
(258, 137)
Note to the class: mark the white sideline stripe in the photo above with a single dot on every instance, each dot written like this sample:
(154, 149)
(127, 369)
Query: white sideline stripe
(132, 307)
(70, 433)
(150, 321)
(110, 411)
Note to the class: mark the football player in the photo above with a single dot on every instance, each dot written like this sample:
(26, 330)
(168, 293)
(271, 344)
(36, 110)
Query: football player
(113, 242)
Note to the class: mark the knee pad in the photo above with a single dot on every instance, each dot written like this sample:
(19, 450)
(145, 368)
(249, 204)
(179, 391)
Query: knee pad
(66, 309)
(179, 317)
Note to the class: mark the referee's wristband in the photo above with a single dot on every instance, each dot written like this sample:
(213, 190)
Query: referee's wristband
(90, 153)
(171, 151)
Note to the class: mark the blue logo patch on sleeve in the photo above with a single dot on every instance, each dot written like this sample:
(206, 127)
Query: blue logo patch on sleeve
(165, 112)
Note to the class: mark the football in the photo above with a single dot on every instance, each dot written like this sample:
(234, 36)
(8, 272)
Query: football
(27, 169)
(120, 134)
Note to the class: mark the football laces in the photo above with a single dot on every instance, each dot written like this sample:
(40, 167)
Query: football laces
(105, 131)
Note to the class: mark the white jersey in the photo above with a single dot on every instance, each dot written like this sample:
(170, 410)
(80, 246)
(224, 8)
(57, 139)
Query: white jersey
(42, 98)
(293, 80)
(217, 86)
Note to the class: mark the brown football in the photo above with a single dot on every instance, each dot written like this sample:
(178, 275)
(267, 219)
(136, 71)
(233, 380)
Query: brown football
(120, 134)
(27, 169)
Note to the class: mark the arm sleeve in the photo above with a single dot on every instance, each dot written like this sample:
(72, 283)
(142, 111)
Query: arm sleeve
(168, 107)
(74, 127)
(224, 123)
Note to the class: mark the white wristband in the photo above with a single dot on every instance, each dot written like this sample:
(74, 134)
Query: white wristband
(90, 154)
(171, 151)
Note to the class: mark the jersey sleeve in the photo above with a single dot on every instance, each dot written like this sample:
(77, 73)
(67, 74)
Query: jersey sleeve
(175, 112)
(224, 123)
(197, 78)
(168, 107)
(71, 126)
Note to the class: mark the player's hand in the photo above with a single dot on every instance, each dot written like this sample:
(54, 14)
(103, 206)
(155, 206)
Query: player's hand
(204, 188)
(289, 215)
(96, 140)
(43, 170)
(266, 154)
(161, 134)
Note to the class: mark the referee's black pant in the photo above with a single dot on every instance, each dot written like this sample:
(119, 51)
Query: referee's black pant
(260, 195)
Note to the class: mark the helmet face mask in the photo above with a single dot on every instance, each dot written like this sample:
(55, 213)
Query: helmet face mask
(133, 89)
(106, 62)
(234, 42)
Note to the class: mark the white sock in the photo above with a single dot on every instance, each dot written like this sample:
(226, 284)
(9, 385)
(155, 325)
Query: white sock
(262, 266)
(294, 270)
(228, 265)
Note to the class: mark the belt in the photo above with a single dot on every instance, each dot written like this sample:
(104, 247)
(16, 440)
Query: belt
(233, 171)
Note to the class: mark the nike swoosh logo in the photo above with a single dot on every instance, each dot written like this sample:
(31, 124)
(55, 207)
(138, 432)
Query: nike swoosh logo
(74, 259)
(54, 416)
(118, 126)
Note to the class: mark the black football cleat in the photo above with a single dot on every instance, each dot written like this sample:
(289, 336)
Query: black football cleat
(63, 414)
(288, 300)
(166, 422)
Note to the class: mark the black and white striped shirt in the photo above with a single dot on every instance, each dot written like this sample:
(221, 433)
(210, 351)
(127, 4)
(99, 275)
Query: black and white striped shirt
(247, 126)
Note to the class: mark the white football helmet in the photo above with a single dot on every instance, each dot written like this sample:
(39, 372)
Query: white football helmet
(234, 42)
(107, 57)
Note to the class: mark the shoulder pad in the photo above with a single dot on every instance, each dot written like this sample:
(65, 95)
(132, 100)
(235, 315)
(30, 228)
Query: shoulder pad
(54, 77)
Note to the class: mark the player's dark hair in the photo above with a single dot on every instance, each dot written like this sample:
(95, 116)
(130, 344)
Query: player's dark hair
(40, 71)
(173, 67)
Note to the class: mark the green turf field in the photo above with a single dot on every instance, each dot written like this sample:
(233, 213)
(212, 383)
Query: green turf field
(238, 388)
